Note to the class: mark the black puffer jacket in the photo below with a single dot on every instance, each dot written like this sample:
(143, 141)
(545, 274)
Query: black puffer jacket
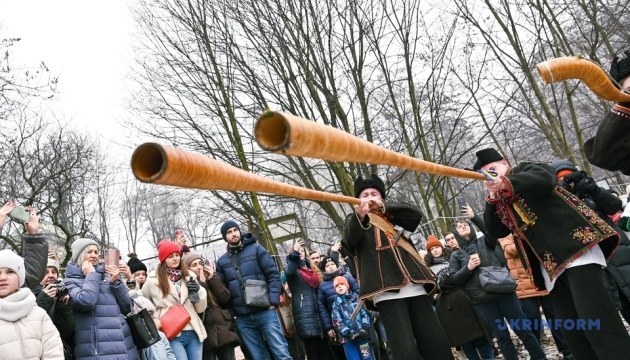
(35, 254)
(305, 314)
(458, 265)
(62, 317)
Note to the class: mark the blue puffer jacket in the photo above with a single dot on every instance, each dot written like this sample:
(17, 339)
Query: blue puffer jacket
(100, 329)
(254, 262)
(305, 315)
(326, 296)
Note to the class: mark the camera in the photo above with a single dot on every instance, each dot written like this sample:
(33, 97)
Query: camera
(61, 289)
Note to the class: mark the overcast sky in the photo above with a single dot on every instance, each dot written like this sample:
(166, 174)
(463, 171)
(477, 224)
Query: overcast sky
(87, 44)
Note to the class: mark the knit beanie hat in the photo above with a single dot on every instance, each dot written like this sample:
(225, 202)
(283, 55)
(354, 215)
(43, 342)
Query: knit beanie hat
(325, 261)
(190, 257)
(165, 248)
(136, 265)
(375, 182)
(53, 263)
(13, 261)
(227, 226)
(485, 157)
(340, 280)
(620, 66)
(563, 167)
(78, 246)
(432, 242)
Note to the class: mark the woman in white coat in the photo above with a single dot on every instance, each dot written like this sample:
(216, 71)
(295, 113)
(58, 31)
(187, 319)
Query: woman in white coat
(27, 331)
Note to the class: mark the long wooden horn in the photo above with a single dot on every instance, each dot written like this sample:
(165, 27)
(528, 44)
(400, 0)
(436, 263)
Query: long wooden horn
(165, 165)
(591, 74)
(291, 135)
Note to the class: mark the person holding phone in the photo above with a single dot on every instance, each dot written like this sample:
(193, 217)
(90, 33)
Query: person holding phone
(217, 320)
(173, 284)
(303, 279)
(136, 273)
(182, 240)
(34, 244)
(99, 301)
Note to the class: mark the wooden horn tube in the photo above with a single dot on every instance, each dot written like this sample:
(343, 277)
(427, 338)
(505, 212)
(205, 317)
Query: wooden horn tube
(164, 165)
(591, 74)
(291, 135)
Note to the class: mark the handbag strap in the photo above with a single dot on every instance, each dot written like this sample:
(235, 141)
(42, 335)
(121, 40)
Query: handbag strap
(237, 270)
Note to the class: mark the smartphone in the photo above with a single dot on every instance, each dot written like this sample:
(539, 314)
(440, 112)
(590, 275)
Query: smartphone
(19, 213)
(461, 202)
(112, 257)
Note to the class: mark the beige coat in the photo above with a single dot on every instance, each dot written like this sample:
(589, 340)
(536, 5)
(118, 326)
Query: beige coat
(151, 291)
(31, 337)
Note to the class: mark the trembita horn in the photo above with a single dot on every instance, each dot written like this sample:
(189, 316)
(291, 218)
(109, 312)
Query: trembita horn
(291, 135)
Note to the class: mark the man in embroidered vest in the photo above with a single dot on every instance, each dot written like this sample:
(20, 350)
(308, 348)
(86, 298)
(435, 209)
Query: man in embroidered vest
(610, 148)
(390, 271)
(563, 245)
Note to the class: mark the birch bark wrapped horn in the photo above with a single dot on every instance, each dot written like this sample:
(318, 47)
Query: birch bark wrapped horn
(291, 135)
(591, 74)
(165, 165)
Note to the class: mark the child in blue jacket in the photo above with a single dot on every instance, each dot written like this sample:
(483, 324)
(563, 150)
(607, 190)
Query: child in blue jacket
(354, 334)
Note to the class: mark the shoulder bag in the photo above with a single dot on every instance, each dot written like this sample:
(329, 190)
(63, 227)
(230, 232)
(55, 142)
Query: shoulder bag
(255, 292)
(496, 279)
(174, 321)
(142, 328)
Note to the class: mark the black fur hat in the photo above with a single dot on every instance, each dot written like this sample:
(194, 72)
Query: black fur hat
(620, 66)
(486, 156)
(375, 182)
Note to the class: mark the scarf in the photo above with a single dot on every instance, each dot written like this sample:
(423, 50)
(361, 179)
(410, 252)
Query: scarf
(233, 250)
(440, 260)
(470, 247)
(174, 274)
(310, 277)
(17, 305)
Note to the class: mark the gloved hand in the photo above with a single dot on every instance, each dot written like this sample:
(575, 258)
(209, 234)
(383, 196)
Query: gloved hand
(354, 335)
(587, 186)
(193, 290)
(575, 177)
(192, 285)
(363, 334)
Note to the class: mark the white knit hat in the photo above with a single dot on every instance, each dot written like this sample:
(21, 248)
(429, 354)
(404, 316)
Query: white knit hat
(11, 260)
(78, 246)
(53, 263)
